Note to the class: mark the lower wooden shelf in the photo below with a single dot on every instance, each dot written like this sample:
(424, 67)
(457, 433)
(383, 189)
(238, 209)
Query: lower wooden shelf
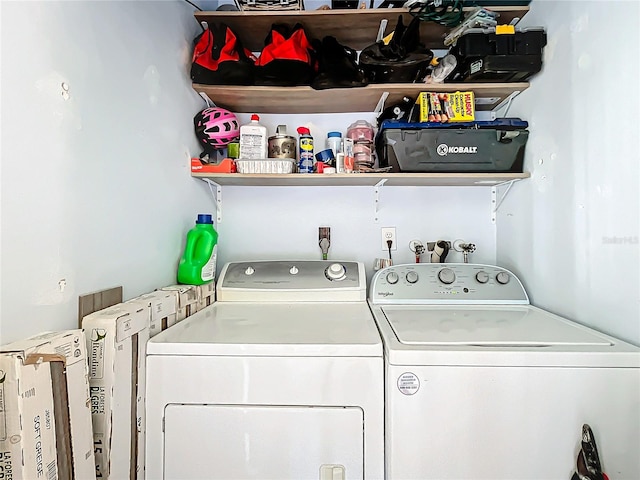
(253, 99)
(363, 179)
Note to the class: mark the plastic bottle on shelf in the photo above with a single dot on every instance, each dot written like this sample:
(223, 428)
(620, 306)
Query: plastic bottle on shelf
(305, 164)
(198, 263)
(253, 140)
(334, 142)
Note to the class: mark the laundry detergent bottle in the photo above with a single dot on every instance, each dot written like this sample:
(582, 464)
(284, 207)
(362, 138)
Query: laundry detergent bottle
(198, 264)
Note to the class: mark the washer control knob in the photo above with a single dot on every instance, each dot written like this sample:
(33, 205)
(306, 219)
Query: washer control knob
(447, 276)
(249, 271)
(412, 277)
(335, 272)
(503, 278)
(293, 270)
(482, 277)
(392, 278)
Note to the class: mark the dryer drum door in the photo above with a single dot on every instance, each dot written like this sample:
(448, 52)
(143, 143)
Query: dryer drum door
(242, 442)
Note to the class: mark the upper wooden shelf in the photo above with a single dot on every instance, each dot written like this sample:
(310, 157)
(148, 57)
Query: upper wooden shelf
(252, 99)
(363, 179)
(354, 28)
(357, 29)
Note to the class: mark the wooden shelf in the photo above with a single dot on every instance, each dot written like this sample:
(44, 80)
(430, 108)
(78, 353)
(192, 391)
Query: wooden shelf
(243, 99)
(363, 179)
(354, 28)
(357, 29)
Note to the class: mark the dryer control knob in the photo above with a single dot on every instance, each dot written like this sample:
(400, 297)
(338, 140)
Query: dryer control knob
(503, 278)
(335, 272)
(482, 277)
(293, 270)
(412, 277)
(446, 275)
(249, 271)
(392, 277)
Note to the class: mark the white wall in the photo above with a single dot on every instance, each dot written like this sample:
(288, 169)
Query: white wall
(572, 230)
(96, 189)
(282, 222)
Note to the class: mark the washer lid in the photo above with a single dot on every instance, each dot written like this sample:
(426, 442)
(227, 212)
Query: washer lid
(498, 326)
(273, 329)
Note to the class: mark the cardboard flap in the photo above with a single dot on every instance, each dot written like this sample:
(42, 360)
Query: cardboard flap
(37, 358)
(186, 294)
(130, 324)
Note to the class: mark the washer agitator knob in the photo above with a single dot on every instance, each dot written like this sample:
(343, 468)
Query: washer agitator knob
(482, 277)
(447, 276)
(503, 278)
(412, 277)
(249, 271)
(335, 271)
(293, 270)
(392, 277)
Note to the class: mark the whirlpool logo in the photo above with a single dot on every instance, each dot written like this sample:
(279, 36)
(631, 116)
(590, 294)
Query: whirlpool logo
(444, 149)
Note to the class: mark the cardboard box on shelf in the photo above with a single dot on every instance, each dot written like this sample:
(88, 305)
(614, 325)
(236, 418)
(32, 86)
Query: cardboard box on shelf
(206, 295)
(226, 165)
(28, 422)
(69, 388)
(116, 342)
(186, 298)
(446, 107)
(163, 307)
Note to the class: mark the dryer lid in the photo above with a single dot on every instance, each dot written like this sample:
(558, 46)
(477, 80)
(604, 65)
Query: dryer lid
(487, 326)
(273, 329)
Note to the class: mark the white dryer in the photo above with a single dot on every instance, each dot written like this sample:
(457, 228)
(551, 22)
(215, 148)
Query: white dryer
(482, 385)
(282, 378)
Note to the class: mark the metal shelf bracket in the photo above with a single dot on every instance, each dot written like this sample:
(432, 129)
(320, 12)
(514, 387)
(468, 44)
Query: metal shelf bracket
(497, 201)
(506, 103)
(216, 193)
(380, 106)
(376, 197)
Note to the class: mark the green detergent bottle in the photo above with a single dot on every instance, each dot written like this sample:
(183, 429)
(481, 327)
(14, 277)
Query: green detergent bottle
(198, 264)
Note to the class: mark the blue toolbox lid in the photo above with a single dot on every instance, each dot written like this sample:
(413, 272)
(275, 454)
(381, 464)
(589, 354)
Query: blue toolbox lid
(499, 124)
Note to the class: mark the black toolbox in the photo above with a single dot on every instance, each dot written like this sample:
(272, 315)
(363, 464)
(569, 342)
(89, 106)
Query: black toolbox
(472, 147)
(487, 56)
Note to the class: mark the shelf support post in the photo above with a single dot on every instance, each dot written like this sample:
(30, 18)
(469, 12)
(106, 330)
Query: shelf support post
(376, 197)
(495, 201)
(217, 198)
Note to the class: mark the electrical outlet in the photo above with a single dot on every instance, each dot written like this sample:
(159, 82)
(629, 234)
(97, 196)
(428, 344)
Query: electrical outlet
(389, 233)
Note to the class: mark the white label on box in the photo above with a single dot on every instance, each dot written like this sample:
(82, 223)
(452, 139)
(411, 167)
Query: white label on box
(96, 354)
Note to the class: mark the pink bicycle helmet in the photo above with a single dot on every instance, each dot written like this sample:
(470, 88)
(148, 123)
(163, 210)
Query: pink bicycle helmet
(216, 128)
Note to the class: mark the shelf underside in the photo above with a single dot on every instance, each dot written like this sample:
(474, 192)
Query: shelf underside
(363, 179)
(354, 28)
(283, 100)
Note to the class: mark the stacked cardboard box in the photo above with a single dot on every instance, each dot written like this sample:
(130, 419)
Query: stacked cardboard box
(45, 419)
(186, 299)
(162, 308)
(116, 342)
(206, 295)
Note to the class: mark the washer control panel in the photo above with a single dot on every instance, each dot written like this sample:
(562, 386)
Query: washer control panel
(444, 283)
(281, 279)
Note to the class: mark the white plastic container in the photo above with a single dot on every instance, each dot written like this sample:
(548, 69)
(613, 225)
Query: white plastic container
(253, 140)
(334, 142)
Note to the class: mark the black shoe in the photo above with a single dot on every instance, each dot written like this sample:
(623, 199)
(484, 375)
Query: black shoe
(337, 66)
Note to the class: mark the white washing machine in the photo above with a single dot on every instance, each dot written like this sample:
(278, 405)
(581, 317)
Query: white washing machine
(282, 378)
(482, 385)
